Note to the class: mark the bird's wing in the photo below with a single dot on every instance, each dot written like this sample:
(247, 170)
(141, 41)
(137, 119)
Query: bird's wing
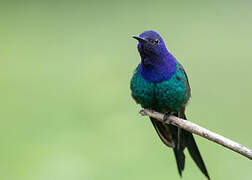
(163, 132)
(188, 91)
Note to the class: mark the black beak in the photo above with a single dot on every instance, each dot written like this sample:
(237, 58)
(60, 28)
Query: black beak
(142, 40)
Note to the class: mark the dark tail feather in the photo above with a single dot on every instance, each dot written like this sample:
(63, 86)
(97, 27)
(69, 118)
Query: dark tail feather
(178, 149)
(166, 134)
(194, 150)
(195, 154)
(180, 159)
(169, 135)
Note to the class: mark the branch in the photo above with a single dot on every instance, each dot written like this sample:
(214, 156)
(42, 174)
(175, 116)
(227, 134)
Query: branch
(196, 129)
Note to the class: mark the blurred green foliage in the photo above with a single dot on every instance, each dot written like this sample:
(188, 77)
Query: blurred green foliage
(66, 111)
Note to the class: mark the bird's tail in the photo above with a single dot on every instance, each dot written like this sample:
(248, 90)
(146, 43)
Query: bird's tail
(195, 153)
(170, 137)
(179, 148)
(186, 139)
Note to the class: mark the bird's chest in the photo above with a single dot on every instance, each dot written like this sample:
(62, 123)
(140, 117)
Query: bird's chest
(171, 94)
(166, 95)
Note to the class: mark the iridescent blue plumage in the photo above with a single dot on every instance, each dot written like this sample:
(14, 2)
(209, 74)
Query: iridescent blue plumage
(160, 83)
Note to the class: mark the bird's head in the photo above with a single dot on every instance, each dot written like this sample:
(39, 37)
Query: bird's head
(150, 43)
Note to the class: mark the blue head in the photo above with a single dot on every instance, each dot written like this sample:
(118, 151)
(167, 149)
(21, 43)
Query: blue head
(151, 45)
(157, 64)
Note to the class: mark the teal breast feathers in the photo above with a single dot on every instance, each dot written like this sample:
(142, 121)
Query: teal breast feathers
(169, 95)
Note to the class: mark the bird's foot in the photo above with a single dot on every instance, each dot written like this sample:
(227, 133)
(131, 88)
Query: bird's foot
(166, 118)
(142, 112)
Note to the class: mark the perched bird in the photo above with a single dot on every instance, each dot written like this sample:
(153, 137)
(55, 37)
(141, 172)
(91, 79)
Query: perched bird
(160, 83)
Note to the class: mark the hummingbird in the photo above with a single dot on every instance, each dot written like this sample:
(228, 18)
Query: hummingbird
(160, 83)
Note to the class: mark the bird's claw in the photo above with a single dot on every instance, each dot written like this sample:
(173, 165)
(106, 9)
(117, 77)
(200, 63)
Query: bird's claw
(142, 112)
(166, 117)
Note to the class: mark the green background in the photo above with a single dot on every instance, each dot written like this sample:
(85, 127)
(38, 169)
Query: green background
(66, 111)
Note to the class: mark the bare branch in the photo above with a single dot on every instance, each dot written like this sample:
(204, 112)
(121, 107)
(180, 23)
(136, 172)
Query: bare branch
(196, 129)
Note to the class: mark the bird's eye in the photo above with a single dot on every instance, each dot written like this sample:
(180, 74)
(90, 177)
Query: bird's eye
(156, 41)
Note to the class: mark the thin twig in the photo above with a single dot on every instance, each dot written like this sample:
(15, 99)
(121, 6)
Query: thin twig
(196, 129)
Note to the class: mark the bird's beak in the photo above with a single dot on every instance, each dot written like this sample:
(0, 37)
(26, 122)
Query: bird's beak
(142, 40)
